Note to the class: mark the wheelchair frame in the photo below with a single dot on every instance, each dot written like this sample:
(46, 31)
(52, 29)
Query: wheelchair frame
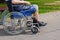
(30, 23)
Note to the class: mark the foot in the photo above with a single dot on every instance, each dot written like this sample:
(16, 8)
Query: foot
(42, 24)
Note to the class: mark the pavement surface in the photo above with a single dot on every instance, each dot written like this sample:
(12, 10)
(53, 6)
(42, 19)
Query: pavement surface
(49, 32)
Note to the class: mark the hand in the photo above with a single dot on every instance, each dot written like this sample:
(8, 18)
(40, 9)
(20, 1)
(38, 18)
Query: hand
(27, 3)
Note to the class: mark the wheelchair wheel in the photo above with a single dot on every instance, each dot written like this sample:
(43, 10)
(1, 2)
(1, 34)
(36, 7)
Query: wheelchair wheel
(34, 30)
(13, 26)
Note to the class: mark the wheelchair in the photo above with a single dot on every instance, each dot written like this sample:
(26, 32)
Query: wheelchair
(15, 22)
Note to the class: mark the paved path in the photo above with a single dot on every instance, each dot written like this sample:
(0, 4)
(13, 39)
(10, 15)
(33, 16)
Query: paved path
(49, 32)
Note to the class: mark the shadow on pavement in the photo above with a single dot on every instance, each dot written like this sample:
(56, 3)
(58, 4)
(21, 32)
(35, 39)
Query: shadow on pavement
(2, 33)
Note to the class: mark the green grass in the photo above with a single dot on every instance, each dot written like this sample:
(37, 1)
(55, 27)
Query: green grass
(2, 4)
(40, 2)
(5, 14)
(42, 7)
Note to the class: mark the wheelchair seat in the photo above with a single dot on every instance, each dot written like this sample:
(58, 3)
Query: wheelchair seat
(15, 13)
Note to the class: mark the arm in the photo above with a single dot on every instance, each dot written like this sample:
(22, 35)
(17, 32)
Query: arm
(19, 2)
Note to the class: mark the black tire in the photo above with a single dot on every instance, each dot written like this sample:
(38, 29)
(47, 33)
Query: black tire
(34, 30)
(29, 23)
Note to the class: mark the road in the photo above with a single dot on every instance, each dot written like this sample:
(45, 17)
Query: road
(49, 32)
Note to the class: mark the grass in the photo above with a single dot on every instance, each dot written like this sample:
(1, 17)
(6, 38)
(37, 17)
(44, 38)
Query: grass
(2, 4)
(42, 7)
(6, 12)
(40, 2)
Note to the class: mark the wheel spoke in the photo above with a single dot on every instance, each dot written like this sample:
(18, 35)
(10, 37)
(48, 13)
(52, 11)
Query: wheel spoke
(16, 26)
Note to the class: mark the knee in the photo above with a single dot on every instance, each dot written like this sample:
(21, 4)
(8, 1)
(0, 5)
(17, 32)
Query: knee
(35, 5)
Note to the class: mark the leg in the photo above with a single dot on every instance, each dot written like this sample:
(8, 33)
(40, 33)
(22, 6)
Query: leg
(36, 17)
(33, 9)
(36, 14)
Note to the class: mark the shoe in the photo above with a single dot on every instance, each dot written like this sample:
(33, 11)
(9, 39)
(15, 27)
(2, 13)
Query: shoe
(42, 24)
(39, 23)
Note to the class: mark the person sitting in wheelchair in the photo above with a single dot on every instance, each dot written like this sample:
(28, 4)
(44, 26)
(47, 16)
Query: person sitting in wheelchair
(32, 9)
